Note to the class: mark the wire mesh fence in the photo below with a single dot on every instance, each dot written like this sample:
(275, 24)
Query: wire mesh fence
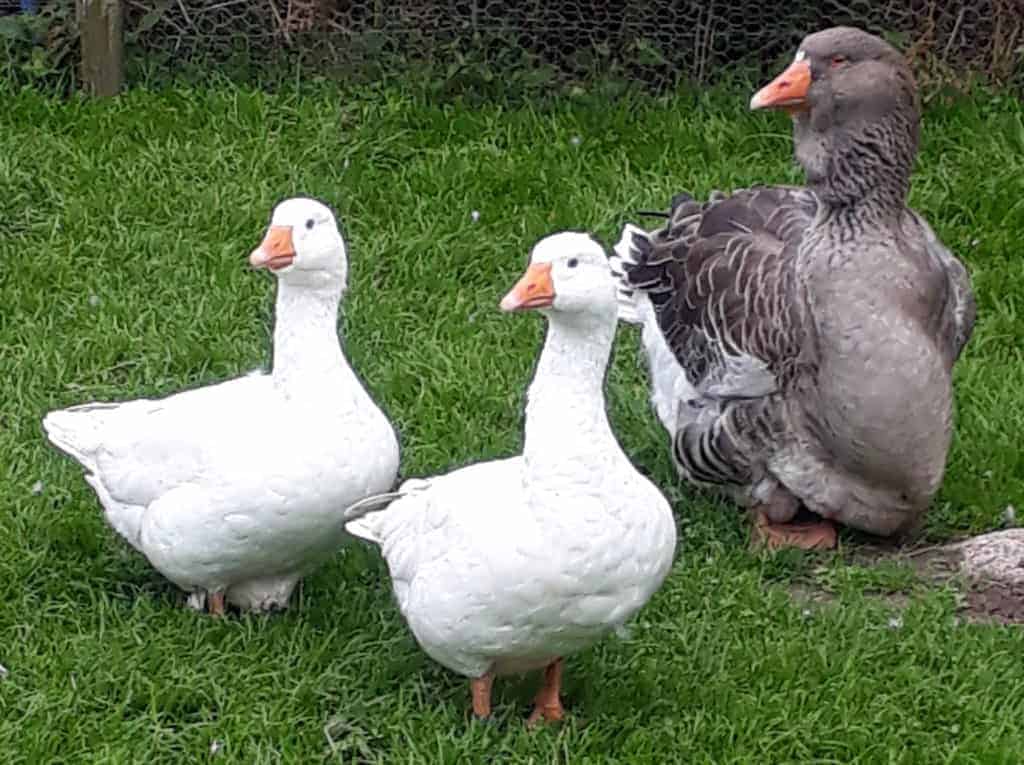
(656, 42)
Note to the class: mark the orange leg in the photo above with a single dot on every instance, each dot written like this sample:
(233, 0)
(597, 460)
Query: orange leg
(481, 690)
(215, 603)
(813, 535)
(548, 704)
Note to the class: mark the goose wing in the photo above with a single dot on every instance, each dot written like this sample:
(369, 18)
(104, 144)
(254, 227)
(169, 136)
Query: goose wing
(720, 278)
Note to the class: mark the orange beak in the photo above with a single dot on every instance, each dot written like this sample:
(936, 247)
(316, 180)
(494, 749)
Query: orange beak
(787, 91)
(276, 251)
(533, 290)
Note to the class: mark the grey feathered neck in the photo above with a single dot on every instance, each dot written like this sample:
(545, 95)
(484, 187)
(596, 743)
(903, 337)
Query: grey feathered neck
(858, 141)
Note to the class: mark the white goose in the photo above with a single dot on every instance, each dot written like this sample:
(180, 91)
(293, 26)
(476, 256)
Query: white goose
(236, 490)
(508, 566)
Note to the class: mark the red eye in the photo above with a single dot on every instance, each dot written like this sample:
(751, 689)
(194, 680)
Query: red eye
(838, 60)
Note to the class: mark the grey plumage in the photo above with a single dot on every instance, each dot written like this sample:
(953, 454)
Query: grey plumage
(817, 326)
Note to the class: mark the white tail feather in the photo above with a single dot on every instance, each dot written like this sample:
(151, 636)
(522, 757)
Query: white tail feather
(369, 504)
(634, 306)
(78, 430)
(356, 522)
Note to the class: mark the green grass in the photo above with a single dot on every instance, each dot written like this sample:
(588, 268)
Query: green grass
(124, 228)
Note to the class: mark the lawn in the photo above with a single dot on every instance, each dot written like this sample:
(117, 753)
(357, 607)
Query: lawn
(124, 231)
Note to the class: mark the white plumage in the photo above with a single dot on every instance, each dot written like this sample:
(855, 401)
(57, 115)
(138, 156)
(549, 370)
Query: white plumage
(507, 566)
(237, 489)
(671, 390)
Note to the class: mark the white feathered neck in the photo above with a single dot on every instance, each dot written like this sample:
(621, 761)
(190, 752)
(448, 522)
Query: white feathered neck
(307, 349)
(565, 410)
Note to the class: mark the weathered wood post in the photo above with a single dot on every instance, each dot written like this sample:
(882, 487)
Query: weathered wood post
(101, 27)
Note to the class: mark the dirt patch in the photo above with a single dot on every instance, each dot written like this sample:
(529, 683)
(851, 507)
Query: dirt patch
(995, 604)
(935, 565)
(994, 566)
(988, 571)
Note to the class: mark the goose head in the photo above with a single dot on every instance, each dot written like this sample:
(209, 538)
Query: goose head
(854, 104)
(568, 275)
(303, 245)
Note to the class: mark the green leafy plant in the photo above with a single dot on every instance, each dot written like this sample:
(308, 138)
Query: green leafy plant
(40, 49)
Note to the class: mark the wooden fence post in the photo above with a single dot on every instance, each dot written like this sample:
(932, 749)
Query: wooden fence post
(101, 27)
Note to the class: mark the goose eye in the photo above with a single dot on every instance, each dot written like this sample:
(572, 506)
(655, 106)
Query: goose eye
(573, 262)
(838, 60)
(310, 223)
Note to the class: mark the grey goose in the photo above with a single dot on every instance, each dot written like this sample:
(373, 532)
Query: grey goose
(801, 340)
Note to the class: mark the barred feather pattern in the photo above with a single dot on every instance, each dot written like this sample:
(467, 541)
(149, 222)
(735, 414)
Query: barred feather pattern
(720, 277)
(816, 328)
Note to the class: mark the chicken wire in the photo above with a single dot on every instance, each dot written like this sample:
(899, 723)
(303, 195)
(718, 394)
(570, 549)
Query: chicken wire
(658, 42)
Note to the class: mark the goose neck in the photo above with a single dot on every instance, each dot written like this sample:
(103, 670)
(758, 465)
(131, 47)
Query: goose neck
(565, 410)
(306, 344)
(864, 166)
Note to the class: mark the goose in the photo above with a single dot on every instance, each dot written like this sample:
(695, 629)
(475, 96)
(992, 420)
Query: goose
(801, 340)
(507, 566)
(235, 491)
